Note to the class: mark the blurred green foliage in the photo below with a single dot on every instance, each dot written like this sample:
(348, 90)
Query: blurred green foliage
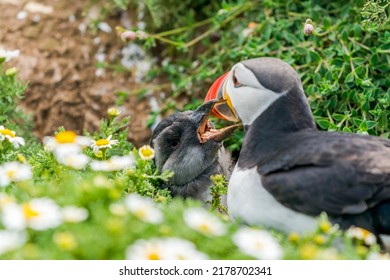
(374, 13)
(11, 92)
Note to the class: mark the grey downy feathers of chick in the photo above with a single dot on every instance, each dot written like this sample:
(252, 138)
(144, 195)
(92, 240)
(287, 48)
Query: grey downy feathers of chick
(188, 144)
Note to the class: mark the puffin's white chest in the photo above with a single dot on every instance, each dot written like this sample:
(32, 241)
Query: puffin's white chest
(249, 201)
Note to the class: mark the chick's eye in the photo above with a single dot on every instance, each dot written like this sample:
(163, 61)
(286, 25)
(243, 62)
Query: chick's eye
(174, 143)
(235, 81)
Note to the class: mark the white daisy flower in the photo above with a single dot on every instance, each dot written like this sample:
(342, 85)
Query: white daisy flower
(38, 214)
(8, 55)
(361, 234)
(204, 222)
(164, 249)
(14, 172)
(64, 150)
(146, 152)
(10, 240)
(9, 135)
(73, 214)
(257, 243)
(152, 249)
(115, 163)
(143, 208)
(75, 160)
(65, 142)
(181, 249)
(103, 143)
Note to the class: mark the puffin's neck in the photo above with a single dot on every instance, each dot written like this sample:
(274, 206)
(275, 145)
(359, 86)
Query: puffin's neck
(289, 113)
(268, 134)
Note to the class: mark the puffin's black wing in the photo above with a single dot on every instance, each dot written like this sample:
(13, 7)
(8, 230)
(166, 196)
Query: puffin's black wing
(333, 172)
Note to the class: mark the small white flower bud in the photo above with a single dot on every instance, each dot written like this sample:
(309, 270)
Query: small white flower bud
(128, 36)
(308, 28)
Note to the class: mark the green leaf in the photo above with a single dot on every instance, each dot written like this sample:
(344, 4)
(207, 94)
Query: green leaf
(337, 62)
(366, 83)
(371, 124)
(374, 59)
(359, 60)
(347, 129)
(315, 56)
(363, 126)
(323, 123)
(350, 78)
(360, 71)
(301, 50)
(384, 47)
(357, 121)
(383, 121)
(338, 117)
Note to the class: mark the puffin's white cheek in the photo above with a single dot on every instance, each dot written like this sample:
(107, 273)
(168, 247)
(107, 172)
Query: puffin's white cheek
(250, 103)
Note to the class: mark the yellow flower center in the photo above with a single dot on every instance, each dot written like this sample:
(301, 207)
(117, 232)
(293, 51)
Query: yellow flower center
(259, 245)
(65, 241)
(147, 153)
(65, 137)
(325, 226)
(113, 112)
(293, 237)
(11, 173)
(319, 239)
(366, 233)
(153, 256)
(141, 214)
(361, 250)
(29, 212)
(8, 132)
(205, 228)
(21, 158)
(308, 251)
(102, 142)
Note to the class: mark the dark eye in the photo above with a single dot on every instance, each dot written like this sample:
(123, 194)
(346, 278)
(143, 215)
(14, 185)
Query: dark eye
(174, 143)
(235, 81)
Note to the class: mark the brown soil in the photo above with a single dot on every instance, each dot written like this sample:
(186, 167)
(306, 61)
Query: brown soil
(58, 61)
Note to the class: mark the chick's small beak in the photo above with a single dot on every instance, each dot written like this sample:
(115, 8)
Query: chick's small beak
(217, 91)
(206, 130)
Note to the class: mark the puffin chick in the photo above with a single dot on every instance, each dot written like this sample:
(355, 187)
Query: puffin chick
(188, 144)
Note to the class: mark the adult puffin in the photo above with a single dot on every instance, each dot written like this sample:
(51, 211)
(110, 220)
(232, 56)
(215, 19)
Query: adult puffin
(288, 172)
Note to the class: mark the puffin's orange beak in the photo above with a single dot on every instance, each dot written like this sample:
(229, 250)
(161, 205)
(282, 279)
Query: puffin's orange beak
(223, 110)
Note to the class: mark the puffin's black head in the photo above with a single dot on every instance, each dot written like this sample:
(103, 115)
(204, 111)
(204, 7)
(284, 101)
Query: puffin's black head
(187, 143)
(252, 86)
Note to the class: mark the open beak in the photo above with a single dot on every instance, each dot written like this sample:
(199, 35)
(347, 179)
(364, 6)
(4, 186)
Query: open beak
(218, 91)
(206, 130)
